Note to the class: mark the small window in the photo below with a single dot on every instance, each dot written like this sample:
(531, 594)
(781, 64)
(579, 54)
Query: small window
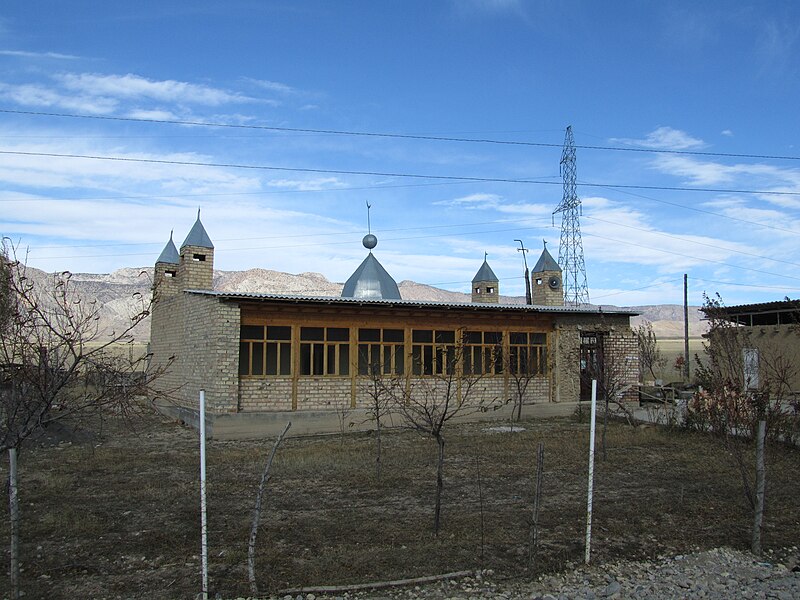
(538, 281)
(477, 290)
(169, 273)
(490, 290)
(199, 257)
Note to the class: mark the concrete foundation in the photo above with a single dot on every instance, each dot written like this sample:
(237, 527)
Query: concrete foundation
(255, 425)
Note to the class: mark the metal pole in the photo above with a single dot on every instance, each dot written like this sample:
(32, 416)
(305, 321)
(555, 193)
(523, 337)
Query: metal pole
(591, 474)
(686, 327)
(203, 518)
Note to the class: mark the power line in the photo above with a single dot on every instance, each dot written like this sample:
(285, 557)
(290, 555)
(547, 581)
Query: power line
(393, 135)
(387, 174)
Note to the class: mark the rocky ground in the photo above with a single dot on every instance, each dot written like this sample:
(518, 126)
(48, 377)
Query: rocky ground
(720, 573)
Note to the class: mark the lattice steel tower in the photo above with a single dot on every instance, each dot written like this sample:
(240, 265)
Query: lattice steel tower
(570, 247)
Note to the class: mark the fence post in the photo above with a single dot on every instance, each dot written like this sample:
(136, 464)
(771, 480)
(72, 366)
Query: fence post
(591, 474)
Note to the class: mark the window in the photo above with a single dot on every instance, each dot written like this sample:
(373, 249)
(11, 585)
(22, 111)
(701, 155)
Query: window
(490, 290)
(265, 350)
(527, 353)
(381, 352)
(199, 257)
(433, 352)
(324, 351)
(483, 352)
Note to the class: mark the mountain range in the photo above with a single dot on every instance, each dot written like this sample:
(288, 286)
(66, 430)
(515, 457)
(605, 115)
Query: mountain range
(120, 292)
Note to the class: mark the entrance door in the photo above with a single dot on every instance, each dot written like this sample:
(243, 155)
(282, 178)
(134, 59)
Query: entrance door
(591, 362)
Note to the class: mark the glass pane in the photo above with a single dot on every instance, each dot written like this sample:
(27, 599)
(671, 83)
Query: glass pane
(498, 360)
(387, 360)
(331, 363)
(399, 360)
(338, 334)
(286, 359)
(319, 359)
(492, 337)
(344, 359)
(422, 336)
(519, 337)
(427, 360)
(244, 358)
(251, 332)
(393, 335)
(272, 358)
(312, 333)
(305, 359)
(472, 337)
(445, 337)
(369, 335)
(539, 339)
(416, 360)
(363, 359)
(258, 359)
(283, 332)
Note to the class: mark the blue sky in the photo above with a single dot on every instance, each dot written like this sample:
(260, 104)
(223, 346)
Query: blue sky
(719, 78)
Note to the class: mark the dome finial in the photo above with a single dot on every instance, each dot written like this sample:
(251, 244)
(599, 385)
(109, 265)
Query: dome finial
(369, 241)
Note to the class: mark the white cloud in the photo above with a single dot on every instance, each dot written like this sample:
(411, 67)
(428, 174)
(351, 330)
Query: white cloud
(40, 96)
(133, 86)
(727, 132)
(752, 176)
(273, 86)
(664, 138)
(152, 115)
(25, 54)
(320, 183)
(472, 202)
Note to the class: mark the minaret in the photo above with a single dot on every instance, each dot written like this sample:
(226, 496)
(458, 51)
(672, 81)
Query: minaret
(196, 268)
(547, 284)
(485, 285)
(166, 271)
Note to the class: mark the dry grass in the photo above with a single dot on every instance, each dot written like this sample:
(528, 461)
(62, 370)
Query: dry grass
(119, 518)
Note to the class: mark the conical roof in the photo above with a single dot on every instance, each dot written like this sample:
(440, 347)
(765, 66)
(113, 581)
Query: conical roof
(485, 273)
(546, 263)
(370, 280)
(169, 254)
(198, 236)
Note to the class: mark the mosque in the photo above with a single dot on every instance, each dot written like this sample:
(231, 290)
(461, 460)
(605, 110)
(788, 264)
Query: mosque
(263, 359)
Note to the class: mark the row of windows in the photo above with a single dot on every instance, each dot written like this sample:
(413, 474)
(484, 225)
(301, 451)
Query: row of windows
(267, 350)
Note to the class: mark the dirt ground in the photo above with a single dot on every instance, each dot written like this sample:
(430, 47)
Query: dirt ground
(115, 514)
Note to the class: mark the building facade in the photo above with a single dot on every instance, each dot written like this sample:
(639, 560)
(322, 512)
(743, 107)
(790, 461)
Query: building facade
(263, 359)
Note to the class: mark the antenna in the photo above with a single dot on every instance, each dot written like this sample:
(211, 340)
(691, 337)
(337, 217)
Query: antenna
(570, 248)
(524, 250)
(369, 227)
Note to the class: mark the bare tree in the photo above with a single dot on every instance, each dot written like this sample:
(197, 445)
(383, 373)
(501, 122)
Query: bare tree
(380, 390)
(56, 363)
(650, 357)
(521, 365)
(429, 403)
(742, 386)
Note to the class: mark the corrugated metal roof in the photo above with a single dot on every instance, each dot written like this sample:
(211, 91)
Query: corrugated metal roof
(371, 280)
(545, 263)
(479, 306)
(198, 236)
(169, 254)
(485, 273)
(760, 307)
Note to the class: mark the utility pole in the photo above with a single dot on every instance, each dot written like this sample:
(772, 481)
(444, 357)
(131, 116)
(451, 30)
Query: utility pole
(524, 250)
(570, 247)
(686, 327)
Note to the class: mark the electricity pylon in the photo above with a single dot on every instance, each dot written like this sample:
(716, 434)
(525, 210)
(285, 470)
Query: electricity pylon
(570, 247)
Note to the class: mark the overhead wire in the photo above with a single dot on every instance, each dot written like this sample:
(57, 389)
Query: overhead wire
(377, 134)
(466, 178)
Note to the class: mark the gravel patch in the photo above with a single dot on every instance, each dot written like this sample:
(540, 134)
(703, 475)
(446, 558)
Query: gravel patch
(715, 574)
